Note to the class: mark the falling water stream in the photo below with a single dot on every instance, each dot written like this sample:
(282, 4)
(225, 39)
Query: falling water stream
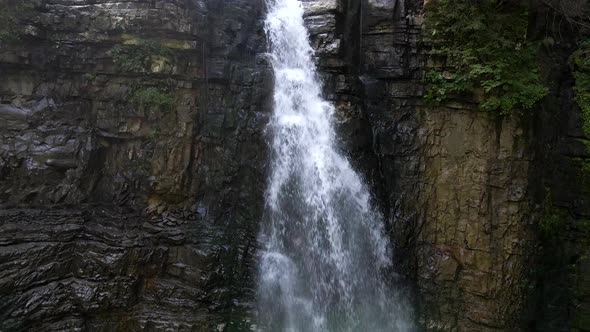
(324, 247)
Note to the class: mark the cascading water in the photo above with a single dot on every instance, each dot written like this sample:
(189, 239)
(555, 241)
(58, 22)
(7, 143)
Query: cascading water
(323, 246)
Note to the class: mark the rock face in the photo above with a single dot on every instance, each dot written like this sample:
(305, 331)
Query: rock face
(132, 170)
(465, 191)
(144, 217)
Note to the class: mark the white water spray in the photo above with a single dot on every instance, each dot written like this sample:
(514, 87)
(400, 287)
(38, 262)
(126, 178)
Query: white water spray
(324, 244)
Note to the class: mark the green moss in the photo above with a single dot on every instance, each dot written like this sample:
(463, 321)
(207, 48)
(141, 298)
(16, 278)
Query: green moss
(136, 55)
(153, 98)
(581, 63)
(485, 45)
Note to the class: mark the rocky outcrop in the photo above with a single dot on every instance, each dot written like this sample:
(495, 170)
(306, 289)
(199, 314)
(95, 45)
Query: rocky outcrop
(131, 193)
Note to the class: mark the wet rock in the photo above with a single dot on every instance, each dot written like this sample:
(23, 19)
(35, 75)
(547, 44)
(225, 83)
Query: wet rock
(456, 183)
(72, 133)
(314, 7)
(62, 164)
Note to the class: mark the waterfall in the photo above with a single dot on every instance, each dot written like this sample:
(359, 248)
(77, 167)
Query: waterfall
(323, 243)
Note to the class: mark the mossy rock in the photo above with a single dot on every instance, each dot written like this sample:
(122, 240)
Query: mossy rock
(141, 56)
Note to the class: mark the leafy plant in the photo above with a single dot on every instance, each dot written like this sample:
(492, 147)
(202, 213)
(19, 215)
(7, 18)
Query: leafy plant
(138, 57)
(581, 62)
(149, 98)
(485, 46)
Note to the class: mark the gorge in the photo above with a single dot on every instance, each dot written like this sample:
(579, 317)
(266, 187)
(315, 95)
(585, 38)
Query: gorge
(136, 175)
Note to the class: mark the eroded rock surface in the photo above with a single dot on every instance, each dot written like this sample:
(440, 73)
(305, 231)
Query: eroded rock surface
(117, 215)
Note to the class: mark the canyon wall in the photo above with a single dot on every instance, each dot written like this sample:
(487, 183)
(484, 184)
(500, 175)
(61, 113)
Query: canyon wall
(118, 215)
(467, 193)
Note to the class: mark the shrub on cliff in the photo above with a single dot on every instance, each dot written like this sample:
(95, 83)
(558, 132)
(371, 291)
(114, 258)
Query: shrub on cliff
(153, 98)
(487, 54)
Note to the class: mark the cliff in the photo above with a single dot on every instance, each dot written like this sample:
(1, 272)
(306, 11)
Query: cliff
(131, 164)
(133, 155)
(469, 194)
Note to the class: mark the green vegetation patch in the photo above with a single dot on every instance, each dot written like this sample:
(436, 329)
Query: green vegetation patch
(152, 97)
(485, 45)
(581, 64)
(139, 55)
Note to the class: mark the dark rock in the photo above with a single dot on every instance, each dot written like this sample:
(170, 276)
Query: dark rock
(71, 134)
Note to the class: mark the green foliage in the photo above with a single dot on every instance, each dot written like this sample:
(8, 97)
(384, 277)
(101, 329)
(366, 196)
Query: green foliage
(581, 62)
(484, 42)
(150, 98)
(139, 57)
(11, 13)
